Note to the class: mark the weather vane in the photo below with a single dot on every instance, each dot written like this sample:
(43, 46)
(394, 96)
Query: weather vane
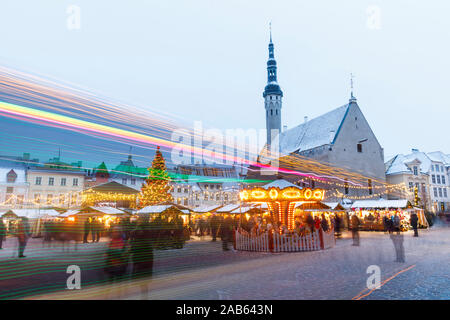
(351, 83)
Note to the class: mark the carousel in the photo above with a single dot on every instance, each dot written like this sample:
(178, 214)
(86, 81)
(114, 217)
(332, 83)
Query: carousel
(282, 198)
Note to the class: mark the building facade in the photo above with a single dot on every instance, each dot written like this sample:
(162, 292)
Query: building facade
(428, 172)
(55, 184)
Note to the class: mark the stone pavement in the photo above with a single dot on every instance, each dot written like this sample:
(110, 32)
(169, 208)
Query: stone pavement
(338, 273)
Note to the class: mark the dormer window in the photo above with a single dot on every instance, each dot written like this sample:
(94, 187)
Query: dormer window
(415, 170)
(11, 176)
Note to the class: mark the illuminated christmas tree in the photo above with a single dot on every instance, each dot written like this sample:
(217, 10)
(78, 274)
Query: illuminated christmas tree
(156, 188)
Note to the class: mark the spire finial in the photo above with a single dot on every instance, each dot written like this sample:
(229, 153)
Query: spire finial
(352, 98)
(270, 30)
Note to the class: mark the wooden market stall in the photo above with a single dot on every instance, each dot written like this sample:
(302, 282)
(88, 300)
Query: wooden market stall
(372, 212)
(169, 210)
(35, 217)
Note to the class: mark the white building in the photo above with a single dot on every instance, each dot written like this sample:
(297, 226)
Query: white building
(13, 184)
(429, 172)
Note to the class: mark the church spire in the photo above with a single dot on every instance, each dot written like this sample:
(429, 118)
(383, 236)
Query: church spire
(272, 96)
(272, 84)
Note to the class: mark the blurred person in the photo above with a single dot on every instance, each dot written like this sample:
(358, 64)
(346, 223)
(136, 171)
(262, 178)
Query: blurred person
(141, 249)
(2, 232)
(324, 223)
(397, 240)
(414, 220)
(310, 222)
(87, 229)
(396, 223)
(337, 226)
(355, 229)
(226, 233)
(317, 222)
(214, 225)
(116, 256)
(23, 234)
(385, 224)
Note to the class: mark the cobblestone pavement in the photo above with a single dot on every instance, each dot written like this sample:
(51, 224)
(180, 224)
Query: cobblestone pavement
(338, 273)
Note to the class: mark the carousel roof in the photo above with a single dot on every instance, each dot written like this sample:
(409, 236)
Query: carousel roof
(280, 183)
(381, 203)
(308, 205)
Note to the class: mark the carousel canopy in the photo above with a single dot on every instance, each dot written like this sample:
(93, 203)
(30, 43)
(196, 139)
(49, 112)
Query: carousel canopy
(381, 204)
(204, 209)
(280, 183)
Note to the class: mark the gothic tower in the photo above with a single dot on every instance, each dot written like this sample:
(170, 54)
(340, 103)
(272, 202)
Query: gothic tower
(272, 97)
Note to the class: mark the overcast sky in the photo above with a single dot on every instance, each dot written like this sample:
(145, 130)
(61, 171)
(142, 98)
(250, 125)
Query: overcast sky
(206, 60)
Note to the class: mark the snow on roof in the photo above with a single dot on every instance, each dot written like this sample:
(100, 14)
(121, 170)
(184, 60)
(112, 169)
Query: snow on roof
(154, 209)
(280, 183)
(206, 208)
(313, 133)
(381, 203)
(332, 205)
(34, 213)
(439, 156)
(243, 209)
(227, 208)
(70, 212)
(399, 163)
(108, 210)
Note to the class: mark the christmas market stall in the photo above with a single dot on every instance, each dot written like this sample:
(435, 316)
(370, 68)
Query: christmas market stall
(371, 213)
(168, 211)
(170, 222)
(283, 232)
(112, 194)
(337, 209)
(34, 216)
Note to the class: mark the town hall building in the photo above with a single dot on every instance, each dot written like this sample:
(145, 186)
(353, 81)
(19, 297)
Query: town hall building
(340, 140)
